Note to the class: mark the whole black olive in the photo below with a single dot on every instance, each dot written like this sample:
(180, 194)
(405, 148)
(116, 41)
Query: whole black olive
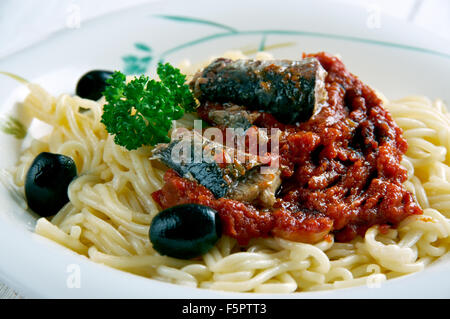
(92, 84)
(47, 181)
(185, 231)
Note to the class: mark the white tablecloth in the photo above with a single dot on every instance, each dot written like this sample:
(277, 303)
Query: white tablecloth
(46, 17)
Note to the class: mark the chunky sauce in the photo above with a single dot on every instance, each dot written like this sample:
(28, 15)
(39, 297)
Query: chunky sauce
(341, 171)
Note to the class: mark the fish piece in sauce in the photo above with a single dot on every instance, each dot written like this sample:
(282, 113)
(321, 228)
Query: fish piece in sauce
(290, 90)
(225, 171)
(256, 188)
(227, 115)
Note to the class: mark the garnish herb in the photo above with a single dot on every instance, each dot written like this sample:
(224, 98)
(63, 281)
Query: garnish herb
(141, 112)
(14, 127)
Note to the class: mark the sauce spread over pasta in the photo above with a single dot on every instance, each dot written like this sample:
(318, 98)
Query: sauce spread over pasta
(340, 171)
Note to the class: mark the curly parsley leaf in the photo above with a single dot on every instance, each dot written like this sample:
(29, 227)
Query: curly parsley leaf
(175, 81)
(141, 112)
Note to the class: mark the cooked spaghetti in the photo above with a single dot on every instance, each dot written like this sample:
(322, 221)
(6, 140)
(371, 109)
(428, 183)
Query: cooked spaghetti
(110, 208)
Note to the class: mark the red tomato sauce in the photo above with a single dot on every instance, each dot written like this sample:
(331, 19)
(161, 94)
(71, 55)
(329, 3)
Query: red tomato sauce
(341, 171)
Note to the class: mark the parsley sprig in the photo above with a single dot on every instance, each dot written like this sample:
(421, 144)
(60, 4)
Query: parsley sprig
(141, 112)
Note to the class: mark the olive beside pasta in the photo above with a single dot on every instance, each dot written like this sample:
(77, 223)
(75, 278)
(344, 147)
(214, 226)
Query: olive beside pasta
(47, 181)
(92, 84)
(185, 231)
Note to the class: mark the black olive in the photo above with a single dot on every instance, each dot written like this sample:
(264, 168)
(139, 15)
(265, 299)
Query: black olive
(185, 231)
(47, 181)
(92, 84)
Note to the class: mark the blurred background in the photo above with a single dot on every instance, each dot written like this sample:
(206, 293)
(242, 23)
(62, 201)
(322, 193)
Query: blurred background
(26, 22)
(17, 18)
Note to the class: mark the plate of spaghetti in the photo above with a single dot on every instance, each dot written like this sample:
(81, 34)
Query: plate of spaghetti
(291, 153)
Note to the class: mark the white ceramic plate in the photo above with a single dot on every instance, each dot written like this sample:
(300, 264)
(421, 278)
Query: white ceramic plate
(389, 55)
